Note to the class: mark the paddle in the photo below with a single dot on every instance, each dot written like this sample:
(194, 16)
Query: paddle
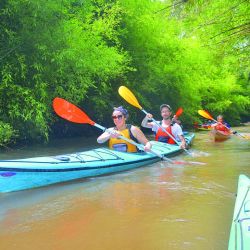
(208, 116)
(176, 115)
(126, 94)
(72, 113)
(178, 112)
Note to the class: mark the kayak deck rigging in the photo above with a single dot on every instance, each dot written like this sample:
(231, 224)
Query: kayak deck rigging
(79, 156)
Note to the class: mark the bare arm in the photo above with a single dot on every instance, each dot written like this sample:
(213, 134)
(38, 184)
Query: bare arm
(214, 125)
(183, 141)
(178, 135)
(145, 122)
(109, 133)
(138, 134)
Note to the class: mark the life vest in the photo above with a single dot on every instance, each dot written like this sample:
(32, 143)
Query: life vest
(221, 127)
(162, 136)
(122, 145)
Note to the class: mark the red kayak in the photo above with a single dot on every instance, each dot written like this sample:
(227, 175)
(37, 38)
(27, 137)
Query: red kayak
(219, 135)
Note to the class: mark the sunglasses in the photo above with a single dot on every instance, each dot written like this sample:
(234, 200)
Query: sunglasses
(119, 117)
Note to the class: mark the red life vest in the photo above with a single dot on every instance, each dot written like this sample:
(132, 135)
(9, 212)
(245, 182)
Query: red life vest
(162, 136)
(222, 128)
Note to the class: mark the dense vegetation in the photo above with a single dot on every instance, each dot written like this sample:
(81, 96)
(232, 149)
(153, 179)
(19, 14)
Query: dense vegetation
(193, 54)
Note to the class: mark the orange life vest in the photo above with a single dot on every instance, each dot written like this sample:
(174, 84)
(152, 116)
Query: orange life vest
(162, 136)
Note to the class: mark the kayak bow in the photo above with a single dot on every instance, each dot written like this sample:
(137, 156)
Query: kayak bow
(240, 230)
(219, 135)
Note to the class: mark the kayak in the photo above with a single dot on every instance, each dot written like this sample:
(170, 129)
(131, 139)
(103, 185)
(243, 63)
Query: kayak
(219, 135)
(202, 127)
(240, 229)
(35, 172)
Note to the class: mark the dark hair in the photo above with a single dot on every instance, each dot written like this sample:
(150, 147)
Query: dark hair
(165, 106)
(122, 110)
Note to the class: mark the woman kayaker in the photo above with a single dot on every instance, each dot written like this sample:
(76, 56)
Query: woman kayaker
(120, 116)
(171, 127)
(221, 124)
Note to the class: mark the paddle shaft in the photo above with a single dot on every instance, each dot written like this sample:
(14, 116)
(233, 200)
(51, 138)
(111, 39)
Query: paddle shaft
(159, 125)
(140, 146)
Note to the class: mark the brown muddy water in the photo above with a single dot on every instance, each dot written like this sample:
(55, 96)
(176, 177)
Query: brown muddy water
(157, 207)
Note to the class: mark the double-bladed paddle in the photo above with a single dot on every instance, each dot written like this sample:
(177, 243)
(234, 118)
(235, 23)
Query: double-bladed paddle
(208, 116)
(72, 113)
(127, 95)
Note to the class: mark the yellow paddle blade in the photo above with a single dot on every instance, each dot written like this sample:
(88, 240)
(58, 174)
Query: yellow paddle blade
(205, 114)
(127, 95)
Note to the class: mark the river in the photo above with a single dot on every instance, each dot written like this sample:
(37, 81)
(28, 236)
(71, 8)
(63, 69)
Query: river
(157, 207)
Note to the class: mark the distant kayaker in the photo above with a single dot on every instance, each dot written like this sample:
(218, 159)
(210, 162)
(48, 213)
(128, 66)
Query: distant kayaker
(120, 116)
(174, 129)
(221, 124)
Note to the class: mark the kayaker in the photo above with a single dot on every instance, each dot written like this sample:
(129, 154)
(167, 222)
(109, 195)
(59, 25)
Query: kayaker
(173, 128)
(221, 124)
(120, 116)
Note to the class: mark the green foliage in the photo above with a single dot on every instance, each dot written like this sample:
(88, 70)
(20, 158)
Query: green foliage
(7, 134)
(192, 54)
(175, 61)
(56, 49)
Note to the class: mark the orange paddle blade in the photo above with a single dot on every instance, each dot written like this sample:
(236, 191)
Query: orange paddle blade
(179, 112)
(205, 114)
(70, 112)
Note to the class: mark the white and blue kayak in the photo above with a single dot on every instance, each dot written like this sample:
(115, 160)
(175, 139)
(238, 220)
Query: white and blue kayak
(240, 229)
(35, 172)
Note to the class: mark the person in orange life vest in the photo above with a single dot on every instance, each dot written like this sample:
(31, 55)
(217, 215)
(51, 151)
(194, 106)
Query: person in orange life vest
(221, 124)
(120, 115)
(173, 129)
